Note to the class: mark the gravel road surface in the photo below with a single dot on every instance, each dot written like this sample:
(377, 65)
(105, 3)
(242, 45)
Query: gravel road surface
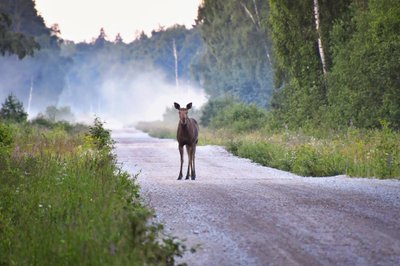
(240, 213)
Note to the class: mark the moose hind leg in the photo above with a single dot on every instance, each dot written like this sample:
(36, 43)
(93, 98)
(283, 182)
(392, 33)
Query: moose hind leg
(193, 162)
(181, 153)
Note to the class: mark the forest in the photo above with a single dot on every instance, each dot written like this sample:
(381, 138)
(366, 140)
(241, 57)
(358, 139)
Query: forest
(322, 63)
(317, 63)
(310, 86)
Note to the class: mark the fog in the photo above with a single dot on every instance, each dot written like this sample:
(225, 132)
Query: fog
(120, 94)
(124, 97)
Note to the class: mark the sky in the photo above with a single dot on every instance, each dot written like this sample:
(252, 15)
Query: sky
(81, 20)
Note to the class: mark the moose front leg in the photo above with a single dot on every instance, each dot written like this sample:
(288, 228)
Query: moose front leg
(181, 153)
(189, 150)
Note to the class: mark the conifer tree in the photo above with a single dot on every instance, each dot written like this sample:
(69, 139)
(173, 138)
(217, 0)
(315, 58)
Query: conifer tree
(12, 110)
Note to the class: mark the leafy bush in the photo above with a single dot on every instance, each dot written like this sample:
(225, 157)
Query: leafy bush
(100, 135)
(240, 117)
(6, 137)
(213, 107)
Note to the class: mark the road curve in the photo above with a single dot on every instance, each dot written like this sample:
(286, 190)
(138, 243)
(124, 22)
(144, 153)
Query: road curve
(240, 213)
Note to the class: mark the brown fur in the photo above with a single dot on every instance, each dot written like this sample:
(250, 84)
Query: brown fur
(187, 134)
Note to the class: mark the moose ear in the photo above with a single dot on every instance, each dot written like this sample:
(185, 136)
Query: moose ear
(188, 106)
(177, 106)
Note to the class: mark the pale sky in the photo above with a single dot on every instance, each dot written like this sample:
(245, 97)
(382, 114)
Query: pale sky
(81, 20)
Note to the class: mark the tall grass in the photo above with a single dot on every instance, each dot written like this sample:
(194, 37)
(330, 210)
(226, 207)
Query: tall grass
(354, 152)
(311, 152)
(65, 202)
(158, 129)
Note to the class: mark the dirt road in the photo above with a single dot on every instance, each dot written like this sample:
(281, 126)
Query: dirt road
(241, 213)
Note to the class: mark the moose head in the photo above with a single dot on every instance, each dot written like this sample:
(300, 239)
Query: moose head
(183, 112)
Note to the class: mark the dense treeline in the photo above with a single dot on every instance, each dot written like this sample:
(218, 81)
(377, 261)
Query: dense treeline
(236, 59)
(335, 62)
(313, 63)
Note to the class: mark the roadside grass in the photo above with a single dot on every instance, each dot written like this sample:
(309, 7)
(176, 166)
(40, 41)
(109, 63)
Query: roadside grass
(318, 152)
(357, 153)
(64, 201)
(158, 129)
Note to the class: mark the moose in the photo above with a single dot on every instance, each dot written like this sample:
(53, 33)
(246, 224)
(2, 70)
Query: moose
(187, 134)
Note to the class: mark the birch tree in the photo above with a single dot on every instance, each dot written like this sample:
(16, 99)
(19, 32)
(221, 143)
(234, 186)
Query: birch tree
(317, 28)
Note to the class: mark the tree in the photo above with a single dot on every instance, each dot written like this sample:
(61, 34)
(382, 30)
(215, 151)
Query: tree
(25, 17)
(301, 34)
(101, 39)
(14, 42)
(364, 84)
(55, 114)
(118, 39)
(46, 70)
(12, 110)
(236, 57)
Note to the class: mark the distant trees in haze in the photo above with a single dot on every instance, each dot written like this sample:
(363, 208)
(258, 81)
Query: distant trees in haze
(63, 69)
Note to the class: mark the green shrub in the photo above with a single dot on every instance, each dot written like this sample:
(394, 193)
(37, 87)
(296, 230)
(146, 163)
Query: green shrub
(6, 136)
(12, 110)
(240, 117)
(213, 107)
(100, 135)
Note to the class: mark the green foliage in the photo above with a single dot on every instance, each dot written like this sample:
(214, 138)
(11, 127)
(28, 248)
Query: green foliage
(299, 81)
(240, 117)
(65, 203)
(361, 43)
(264, 153)
(14, 42)
(354, 152)
(213, 107)
(101, 136)
(364, 82)
(6, 137)
(12, 110)
(236, 58)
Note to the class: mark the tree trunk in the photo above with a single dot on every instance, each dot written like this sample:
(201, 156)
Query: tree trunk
(176, 63)
(257, 24)
(320, 47)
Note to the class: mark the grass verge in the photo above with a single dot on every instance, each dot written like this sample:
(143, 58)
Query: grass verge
(372, 153)
(64, 201)
(354, 152)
